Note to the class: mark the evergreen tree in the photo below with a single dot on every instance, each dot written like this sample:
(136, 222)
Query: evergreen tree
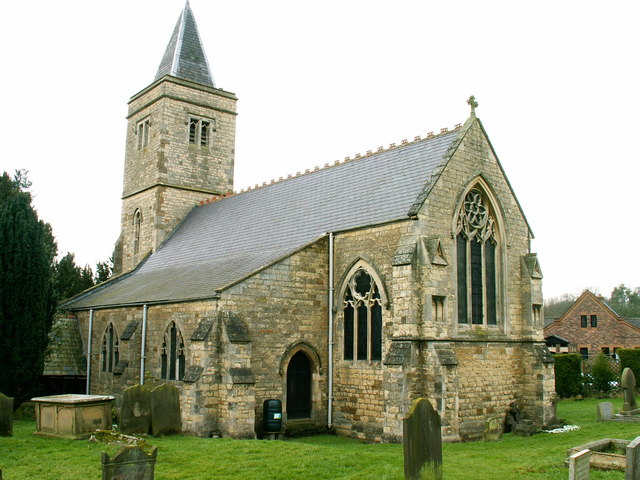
(27, 300)
(104, 271)
(70, 279)
(626, 302)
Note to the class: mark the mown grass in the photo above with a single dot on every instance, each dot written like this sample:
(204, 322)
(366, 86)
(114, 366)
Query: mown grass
(26, 456)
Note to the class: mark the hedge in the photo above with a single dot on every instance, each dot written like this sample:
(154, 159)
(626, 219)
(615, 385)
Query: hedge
(568, 370)
(629, 358)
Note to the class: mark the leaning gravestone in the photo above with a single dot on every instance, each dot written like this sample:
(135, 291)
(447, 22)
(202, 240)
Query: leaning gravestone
(165, 410)
(6, 415)
(130, 463)
(632, 471)
(422, 439)
(605, 411)
(135, 414)
(579, 465)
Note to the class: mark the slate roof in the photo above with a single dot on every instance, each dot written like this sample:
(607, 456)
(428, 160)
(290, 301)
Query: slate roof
(185, 57)
(221, 243)
(65, 355)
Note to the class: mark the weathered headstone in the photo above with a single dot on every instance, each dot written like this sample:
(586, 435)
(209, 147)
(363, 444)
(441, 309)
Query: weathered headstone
(492, 429)
(6, 415)
(422, 442)
(130, 463)
(632, 471)
(579, 465)
(165, 410)
(628, 383)
(135, 414)
(605, 411)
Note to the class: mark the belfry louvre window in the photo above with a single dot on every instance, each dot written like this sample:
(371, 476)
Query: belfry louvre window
(110, 349)
(142, 133)
(362, 318)
(200, 131)
(477, 247)
(172, 359)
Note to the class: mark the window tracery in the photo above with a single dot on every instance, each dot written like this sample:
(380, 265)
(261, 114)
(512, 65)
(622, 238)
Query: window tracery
(172, 354)
(110, 349)
(476, 245)
(362, 318)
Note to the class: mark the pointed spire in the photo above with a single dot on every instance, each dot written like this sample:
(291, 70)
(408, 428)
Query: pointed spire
(185, 57)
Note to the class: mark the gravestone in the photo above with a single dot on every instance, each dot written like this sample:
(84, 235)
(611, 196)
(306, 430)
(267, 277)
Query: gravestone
(130, 463)
(135, 414)
(605, 411)
(165, 410)
(628, 383)
(422, 440)
(579, 465)
(6, 415)
(632, 471)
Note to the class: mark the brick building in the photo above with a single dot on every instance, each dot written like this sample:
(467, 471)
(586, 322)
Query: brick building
(346, 291)
(591, 327)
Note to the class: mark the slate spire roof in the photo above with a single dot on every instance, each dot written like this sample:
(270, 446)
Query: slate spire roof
(185, 57)
(223, 242)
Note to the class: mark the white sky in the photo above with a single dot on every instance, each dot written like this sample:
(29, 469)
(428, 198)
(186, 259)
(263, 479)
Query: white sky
(557, 83)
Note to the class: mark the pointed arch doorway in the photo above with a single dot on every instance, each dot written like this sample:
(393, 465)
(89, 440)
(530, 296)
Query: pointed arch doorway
(299, 386)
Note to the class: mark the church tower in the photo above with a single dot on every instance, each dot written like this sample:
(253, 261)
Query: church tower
(180, 146)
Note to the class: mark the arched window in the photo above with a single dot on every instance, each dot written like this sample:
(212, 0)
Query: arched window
(110, 349)
(477, 247)
(172, 354)
(362, 318)
(137, 227)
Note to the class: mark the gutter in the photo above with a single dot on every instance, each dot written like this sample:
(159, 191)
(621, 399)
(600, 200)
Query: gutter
(143, 342)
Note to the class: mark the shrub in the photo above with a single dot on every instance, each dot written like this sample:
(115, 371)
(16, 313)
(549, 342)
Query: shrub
(629, 358)
(568, 369)
(603, 375)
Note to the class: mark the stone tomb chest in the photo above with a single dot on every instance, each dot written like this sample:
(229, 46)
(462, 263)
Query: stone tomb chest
(72, 416)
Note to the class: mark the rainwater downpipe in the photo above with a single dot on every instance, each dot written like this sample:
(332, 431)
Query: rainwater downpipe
(143, 342)
(330, 326)
(89, 351)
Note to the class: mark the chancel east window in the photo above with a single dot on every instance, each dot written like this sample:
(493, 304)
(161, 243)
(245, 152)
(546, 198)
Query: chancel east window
(200, 131)
(477, 262)
(362, 318)
(110, 349)
(172, 359)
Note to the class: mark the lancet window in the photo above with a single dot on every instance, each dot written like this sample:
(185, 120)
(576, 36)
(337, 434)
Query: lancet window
(110, 349)
(172, 356)
(362, 318)
(137, 229)
(477, 247)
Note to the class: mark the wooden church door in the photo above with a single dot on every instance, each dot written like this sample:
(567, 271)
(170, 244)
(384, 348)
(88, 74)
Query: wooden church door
(299, 386)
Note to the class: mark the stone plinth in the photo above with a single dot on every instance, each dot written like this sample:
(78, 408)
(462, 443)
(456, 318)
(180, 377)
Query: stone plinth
(72, 416)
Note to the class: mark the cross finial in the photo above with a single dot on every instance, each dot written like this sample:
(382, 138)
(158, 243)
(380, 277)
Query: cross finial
(473, 104)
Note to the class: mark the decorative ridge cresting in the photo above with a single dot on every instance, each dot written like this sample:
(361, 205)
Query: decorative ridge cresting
(358, 156)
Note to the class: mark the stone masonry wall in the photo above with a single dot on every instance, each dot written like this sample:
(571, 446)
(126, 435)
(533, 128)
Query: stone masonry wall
(285, 310)
(167, 177)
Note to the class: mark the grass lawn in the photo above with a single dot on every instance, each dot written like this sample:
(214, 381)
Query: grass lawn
(26, 456)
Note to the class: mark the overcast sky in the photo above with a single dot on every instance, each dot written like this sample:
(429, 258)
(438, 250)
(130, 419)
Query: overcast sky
(557, 83)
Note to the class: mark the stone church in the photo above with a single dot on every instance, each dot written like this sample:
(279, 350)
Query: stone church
(345, 292)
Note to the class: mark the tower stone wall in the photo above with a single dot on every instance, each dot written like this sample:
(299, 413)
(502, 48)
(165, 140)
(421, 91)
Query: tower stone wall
(180, 150)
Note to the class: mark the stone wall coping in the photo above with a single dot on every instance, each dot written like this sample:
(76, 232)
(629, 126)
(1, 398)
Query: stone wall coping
(73, 398)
